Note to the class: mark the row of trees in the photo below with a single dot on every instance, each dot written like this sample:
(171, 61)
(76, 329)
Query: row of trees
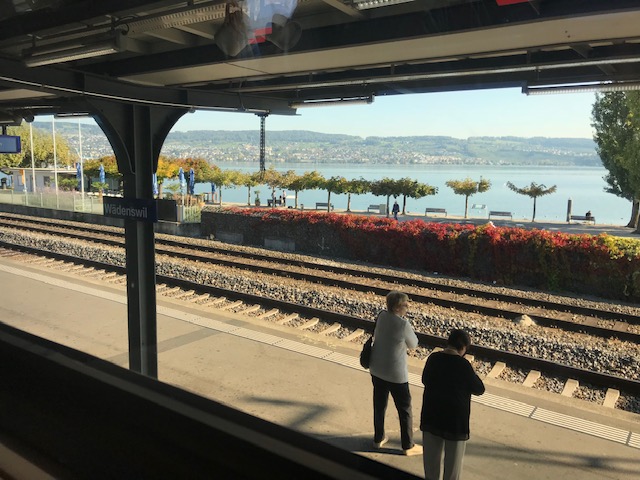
(42, 149)
(387, 187)
(206, 173)
(613, 118)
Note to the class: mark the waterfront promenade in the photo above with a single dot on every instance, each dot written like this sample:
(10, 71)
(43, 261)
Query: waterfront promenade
(573, 228)
(313, 384)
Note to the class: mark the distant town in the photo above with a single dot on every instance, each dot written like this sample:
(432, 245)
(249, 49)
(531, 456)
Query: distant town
(304, 147)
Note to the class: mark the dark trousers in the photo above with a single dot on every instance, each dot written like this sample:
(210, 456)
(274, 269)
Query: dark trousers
(402, 399)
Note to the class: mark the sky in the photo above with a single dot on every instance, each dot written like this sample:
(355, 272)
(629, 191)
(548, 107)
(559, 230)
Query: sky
(493, 113)
(498, 112)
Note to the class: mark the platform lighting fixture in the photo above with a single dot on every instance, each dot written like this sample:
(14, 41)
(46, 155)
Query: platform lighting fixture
(368, 4)
(71, 114)
(333, 102)
(49, 55)
(584, 88)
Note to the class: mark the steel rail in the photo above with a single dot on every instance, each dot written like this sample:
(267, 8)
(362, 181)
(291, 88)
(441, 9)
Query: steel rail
(482, 294)
(589, 326)
(513, 359)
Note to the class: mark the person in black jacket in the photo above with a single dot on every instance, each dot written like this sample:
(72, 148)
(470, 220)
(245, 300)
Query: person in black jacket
(449, 381)
(395, 210)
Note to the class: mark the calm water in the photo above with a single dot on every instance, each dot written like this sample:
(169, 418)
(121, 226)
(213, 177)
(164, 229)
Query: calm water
(584, 186)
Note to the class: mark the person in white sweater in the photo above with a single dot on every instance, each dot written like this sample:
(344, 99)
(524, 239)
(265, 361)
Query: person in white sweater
(392, 336)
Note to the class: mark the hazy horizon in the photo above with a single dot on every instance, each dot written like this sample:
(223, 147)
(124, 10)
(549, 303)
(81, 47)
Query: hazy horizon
(460, 114)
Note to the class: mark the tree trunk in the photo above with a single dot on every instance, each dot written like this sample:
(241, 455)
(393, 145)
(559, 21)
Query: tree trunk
(533, 219)
(348, 202)
(248, 196)
(296, 200)
(388, 197)
(635, 210)
(466, 205)
(404, 204)
(328, 200)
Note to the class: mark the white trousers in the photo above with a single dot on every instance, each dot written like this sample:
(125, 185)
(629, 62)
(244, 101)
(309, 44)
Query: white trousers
(434, 447)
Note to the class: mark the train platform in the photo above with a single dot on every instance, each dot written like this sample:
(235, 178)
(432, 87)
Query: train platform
(312, 383)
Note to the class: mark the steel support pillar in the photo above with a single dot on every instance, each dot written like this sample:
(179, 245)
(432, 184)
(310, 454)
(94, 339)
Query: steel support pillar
(136, 133)
(263, 117)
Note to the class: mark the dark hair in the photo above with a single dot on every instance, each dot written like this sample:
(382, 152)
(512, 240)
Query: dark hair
(459, 339)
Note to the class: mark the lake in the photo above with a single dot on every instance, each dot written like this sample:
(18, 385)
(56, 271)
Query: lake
(584, 185)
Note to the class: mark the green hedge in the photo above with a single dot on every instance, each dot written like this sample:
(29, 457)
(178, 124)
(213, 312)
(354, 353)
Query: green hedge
(600, 265)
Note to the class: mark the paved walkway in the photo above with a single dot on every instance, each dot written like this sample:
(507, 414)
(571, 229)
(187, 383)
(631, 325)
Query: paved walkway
(574, 227)
(314, 384)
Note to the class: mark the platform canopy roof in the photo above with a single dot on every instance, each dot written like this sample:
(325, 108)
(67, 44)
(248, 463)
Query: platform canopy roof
(273, 56)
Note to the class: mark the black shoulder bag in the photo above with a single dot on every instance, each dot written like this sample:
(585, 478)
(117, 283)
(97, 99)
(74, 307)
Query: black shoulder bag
(365, 355)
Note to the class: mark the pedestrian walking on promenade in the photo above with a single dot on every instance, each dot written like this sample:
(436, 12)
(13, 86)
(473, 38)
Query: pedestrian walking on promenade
(392, 336)
(395, 210)
(449, 381)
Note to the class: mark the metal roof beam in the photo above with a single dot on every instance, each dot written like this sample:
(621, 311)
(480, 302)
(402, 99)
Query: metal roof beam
(70, 84)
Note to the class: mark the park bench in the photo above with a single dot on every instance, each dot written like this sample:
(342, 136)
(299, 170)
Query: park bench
(435, 210)
(582, 218)
(375, 208)
(496, 213)
(323, 205)
(270, 202)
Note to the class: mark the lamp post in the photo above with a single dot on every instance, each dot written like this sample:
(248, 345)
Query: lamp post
(55, 159)
(81, 164)
(33, 165)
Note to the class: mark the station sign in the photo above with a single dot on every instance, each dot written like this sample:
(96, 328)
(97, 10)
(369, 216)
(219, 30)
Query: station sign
(130, 208)
(10, 144)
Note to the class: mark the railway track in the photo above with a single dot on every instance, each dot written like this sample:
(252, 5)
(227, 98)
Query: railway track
(266, 307)
(599, 322)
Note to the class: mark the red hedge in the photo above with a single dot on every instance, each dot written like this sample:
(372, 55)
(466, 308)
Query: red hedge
(600, 265)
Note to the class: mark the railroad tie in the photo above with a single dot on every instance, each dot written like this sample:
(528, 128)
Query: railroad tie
(253, 308)
(620, 326)
(188, 293)
(531, 379)
(570, 387)
(496, 370)
(217, 301)
(171, 291)
(288, 318)
(333, 328)
(96, 274)
(235, 304)
(309, 324)
(268, 314)
(611, 398)
(41, 261)
(358, 333)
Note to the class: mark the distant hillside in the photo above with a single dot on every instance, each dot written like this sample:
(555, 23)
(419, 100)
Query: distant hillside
(300, 146)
